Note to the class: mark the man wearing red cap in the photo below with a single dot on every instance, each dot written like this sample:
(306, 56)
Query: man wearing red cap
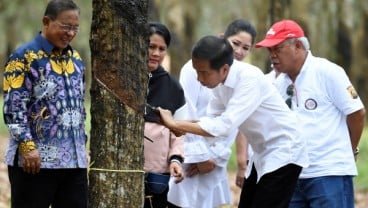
(331, 117)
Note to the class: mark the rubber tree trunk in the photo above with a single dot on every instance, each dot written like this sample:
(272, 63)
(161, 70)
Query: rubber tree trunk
(119, 82)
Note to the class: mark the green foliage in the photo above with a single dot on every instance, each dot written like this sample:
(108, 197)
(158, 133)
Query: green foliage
(361, 181)
(231, 165)
(3, 129)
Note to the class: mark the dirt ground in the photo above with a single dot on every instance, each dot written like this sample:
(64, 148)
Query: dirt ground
(361, 199)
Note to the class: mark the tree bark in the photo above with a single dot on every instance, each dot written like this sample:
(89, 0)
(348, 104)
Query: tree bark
(119, 82)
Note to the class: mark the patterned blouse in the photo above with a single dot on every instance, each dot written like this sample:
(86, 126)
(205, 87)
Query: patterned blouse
(44, 102)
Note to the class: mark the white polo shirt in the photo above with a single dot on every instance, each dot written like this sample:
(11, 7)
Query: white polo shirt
(324, 97)
(249, 101)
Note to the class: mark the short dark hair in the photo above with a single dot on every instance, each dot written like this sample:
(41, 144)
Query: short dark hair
(55, 7)
(160, 29)
(216, 50)
(241, 25)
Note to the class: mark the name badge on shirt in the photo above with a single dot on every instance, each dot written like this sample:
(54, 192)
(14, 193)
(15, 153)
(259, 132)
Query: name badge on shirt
(310, 104)
(352, 92)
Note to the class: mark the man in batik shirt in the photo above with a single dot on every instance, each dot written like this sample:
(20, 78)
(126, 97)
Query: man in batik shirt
(44, 111)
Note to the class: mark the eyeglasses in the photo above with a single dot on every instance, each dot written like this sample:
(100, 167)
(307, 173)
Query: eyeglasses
(290, 92)
(67, 28)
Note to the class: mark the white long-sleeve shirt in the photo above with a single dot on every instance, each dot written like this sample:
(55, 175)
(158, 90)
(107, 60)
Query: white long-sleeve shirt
(202, 190)
(248, 101)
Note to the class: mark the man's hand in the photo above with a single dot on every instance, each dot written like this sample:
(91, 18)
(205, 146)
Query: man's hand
(241, 158)
(201, 168)
(177, 171)
(177, 133)
(166, 118)
(31, 162)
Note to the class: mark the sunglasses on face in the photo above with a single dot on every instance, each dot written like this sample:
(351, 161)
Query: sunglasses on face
(290, 92)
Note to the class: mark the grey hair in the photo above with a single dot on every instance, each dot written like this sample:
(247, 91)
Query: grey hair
(305, 42)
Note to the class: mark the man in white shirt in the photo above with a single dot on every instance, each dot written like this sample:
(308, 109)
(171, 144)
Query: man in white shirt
(331, 115)
(208, 187)
(245, 99)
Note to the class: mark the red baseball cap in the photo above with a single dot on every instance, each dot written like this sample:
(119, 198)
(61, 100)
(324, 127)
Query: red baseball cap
(279, 32)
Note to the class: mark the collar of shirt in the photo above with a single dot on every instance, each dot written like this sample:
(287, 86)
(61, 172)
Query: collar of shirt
(231, 78)
(48, 47)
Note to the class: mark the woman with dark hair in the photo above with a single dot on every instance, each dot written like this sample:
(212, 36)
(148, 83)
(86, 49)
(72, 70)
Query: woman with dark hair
(163, 151)
(241, 34)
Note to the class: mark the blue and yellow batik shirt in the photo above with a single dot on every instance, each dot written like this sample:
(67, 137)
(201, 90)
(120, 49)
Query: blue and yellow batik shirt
(44, 102)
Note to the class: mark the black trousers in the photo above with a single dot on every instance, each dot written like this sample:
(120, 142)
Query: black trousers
(274, 189)
(59, 188)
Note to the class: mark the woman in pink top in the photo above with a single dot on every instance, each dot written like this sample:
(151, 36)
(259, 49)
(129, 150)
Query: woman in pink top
(163, 151)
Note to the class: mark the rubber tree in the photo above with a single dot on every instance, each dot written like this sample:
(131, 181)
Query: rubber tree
(118, 42)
